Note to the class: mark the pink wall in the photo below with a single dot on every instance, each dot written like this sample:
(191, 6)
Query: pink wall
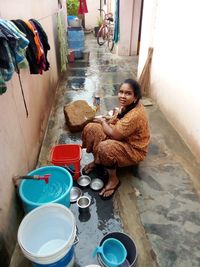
(21, 137)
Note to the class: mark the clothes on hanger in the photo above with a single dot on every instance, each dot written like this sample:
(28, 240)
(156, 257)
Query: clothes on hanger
(38, 45)
(12, 51)
(22, 44)
(44, 40)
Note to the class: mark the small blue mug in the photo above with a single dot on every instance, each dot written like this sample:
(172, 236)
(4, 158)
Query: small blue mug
(112, 251)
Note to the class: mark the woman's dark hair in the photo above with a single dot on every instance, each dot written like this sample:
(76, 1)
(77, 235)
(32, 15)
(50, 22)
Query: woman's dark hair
(137, 93)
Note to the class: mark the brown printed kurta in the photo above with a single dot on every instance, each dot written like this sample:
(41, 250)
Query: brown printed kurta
(129, 151)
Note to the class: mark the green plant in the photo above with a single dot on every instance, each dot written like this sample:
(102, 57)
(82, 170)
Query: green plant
(100, 21)
(72, 7)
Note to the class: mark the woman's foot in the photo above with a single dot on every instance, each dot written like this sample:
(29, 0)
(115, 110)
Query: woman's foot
(112, 185)
(89, 167)
(109, 190)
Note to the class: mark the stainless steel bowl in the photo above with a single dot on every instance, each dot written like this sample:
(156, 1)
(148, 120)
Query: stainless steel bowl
(84, 180)
(75, 193)
(96, 184)
(83, 203)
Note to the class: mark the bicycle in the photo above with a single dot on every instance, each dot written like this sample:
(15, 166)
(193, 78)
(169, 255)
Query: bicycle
(106, 31)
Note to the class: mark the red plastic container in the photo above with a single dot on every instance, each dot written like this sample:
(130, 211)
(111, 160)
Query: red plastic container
(71, 56)
(67, 155)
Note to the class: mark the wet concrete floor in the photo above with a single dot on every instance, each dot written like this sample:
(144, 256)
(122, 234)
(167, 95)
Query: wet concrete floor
(160, 207)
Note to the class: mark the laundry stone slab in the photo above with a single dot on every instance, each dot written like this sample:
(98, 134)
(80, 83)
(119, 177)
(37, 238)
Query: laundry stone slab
(78, 114)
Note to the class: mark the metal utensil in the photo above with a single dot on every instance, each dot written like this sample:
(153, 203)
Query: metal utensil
(75, 193)
(96, 184)
(83, 203)
(84, 180)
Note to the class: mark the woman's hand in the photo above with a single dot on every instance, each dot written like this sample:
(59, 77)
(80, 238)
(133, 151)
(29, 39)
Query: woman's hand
(108, 130)
(99, 119)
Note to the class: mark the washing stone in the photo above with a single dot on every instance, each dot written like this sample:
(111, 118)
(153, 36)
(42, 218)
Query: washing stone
(78, 114)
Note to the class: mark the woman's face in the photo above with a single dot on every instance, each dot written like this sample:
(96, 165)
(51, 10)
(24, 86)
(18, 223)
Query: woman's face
(126, 95)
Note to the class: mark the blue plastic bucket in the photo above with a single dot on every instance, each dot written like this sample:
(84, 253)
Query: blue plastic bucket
(70, 19)
(128, 243)
(35, 193)
(76, 40)
(46, 236)
(112, 252)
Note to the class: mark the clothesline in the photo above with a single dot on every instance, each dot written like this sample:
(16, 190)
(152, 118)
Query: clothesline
(51, 15)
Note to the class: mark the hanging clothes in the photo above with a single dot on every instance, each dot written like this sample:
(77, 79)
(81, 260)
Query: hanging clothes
(6, 61)
(12, 51)
(41, 56)
(116, 29)
(44, 40)
(31, 52)
(21, 41)
(3, 87)
(82, 7)
(38, 45)
(40, 51)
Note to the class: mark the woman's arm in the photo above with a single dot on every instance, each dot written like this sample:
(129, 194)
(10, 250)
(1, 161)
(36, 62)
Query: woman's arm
(108, 130)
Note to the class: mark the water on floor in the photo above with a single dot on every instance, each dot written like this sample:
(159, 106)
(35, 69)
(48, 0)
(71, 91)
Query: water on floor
(161, 209)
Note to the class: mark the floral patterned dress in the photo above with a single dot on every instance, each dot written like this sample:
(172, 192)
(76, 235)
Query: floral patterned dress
(112, 153)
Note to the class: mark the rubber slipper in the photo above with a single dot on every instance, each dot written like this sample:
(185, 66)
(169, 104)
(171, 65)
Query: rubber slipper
(87, 172)
(114, 190)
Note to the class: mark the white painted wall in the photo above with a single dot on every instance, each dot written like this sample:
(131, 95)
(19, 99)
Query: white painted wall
(91, 18)
(172, 28)
(125, 14)
(129, 27)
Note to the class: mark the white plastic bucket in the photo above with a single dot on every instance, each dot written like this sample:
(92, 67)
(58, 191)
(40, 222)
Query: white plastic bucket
(46, 236)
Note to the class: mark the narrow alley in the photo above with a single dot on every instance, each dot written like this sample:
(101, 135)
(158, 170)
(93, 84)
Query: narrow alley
(160, 207)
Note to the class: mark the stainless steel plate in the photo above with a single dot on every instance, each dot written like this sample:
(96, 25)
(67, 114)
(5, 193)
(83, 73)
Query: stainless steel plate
(84, 180)
(75, 193)
(96, 184)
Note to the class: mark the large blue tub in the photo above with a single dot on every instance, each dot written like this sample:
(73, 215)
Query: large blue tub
(76, 40)
(35, 193)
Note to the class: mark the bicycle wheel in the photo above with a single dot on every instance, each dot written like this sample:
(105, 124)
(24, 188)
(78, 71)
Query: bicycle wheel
(102, 35)
(110, 40)
(111, 44)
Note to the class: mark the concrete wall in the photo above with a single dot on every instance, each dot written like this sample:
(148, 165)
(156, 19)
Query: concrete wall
(21, 137)
(129, 27)
(92, 17)
(172, 27)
